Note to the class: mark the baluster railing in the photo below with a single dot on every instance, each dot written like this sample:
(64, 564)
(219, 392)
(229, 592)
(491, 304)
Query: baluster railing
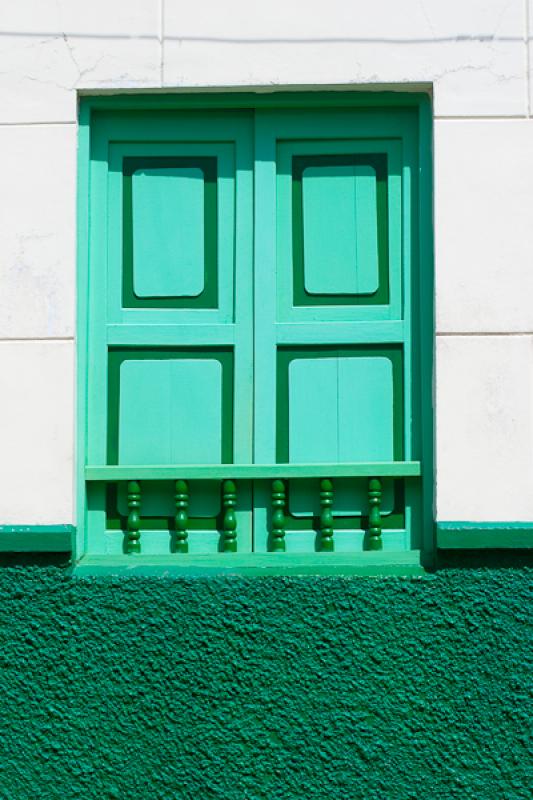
(277, 475)
(326, 516)
(229, 529)
(375, 542)
(181, 519)
(133, 535)
(278, 516)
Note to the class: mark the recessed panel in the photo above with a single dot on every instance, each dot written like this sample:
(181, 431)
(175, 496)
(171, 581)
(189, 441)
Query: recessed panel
(170, 412)
(171, 237)
(340, 238)
(341, 409)
(333, 222)
(168, 231)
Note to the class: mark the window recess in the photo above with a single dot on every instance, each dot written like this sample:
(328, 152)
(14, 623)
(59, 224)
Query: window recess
(255, 333)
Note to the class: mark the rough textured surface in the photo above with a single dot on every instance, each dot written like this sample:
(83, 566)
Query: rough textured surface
(265, 688)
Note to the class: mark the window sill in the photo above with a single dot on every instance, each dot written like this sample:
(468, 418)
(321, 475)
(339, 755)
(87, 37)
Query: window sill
(252, 565)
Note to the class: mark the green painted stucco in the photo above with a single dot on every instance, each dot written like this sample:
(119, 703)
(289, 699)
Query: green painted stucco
(270, 688)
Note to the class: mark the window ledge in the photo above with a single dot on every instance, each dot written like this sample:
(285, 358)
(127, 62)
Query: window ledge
(484, 535)
(36, 538)
(252, 565)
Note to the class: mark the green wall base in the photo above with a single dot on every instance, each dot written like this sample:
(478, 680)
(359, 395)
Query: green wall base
(284, 688)
(36, 538)
(484, 535)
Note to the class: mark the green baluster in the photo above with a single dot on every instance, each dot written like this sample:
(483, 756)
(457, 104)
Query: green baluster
(375, 542)
(182, 517)
(229, 531)
(133, 537)
(278, 516)
(326, 516)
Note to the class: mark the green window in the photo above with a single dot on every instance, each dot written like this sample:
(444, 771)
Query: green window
(255, 330)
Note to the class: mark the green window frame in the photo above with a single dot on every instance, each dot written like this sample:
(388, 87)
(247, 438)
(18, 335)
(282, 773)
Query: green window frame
(404, 123)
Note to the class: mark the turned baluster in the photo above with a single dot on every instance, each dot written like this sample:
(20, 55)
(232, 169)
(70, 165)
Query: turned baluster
(278, 516)
(326, 516)
(182, 517)
(133, 536)
(229, 528)
(375, 542)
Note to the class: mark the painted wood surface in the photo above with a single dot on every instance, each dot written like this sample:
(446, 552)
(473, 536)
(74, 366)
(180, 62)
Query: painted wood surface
(168, 231)
(133, 536)
(182, 517)
(399, 469)
(278, 516)
(340, 238)
(375, 524)
(175, 383)
(354, 400)
(170, 412)
(260, 565)
(326, 543)
(311, 366)
(327, 382)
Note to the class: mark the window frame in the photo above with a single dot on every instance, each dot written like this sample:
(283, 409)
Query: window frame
(360, 563)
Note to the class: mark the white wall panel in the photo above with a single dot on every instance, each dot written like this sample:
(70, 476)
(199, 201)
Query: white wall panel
(529, 34)
(473, 50)
(483, 225)
(37, 231)
(36, 432)
(50, 49)
(485, 428)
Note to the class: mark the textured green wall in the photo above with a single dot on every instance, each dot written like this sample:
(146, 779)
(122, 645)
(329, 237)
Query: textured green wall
(265, 688)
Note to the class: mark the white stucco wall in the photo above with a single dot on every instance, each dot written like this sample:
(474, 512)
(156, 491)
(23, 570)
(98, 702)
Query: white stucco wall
(476, 53)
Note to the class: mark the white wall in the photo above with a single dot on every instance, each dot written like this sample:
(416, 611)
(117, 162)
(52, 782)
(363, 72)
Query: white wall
(476, 54)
